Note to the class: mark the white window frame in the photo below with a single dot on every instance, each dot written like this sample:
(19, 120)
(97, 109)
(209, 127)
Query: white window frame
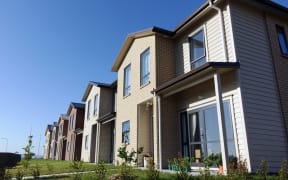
(283, 32)
(209, 102)
(86, 142)
(96, 104)
(127, 90)
(126, 132)
(206, 54)
(88, 109)
(144, 76)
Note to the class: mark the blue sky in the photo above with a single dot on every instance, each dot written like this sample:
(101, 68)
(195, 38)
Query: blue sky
(50, 49)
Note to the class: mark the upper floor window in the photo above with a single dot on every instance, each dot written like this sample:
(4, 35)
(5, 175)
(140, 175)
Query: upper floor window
(127, 80)
(96, 102)
(282, 40)
(115, 101)
(88, 109)
(86, 141)
(145, 67)
(71, 121)
(197, 49)
(126, 132)
(68, 146)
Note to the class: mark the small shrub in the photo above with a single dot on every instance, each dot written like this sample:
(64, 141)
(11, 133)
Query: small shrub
(77, 166)
(36, 171)
(283, 173)
(7, 175)
(20, 174)
(263, 170)
(100, 171)
(205, 174)
(183, 167)
(152, 172)
(128, 160)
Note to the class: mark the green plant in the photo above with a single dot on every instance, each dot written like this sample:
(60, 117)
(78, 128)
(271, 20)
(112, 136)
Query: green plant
(152, 172)
(283, 173)
(27, 152)
(129, 157)
(182, 167)
(20, 174)
(100, 171)
(7, 175)
(36, 171)
(128, 160)
(263, 170)
(205, 174)
(77, 167)
(214, 160)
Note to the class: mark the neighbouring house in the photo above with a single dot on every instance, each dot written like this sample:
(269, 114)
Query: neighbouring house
(216, 84)
(62, 137)
(48, 134)
(99, 123)
(75, 114)
(54, 139)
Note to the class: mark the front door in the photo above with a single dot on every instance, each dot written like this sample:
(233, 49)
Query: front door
(200, 133)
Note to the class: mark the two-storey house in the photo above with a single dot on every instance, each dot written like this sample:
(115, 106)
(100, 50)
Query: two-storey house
(98, 133)
(216, 84)
(54, 139)
(48, 134)
(75, 114)
(62, 137)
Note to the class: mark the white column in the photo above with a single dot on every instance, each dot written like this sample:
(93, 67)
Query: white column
(159, 131)
(97, 151)
(221, 120)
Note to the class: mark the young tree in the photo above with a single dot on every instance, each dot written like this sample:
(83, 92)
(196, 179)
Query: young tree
(27, 152)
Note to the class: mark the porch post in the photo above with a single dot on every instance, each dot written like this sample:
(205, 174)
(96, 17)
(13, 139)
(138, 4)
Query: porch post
(221, 120)
(159, 132)
(97, 142)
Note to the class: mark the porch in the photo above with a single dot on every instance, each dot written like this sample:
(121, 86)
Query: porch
(197, 116)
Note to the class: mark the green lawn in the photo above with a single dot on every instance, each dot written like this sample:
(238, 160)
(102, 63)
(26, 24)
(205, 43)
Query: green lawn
(51, 167)
(57, 167)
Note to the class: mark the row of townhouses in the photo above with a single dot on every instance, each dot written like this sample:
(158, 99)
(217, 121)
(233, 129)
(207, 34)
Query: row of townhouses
(217, 83)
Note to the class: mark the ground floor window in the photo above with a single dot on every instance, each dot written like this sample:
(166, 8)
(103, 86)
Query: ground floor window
(126, 132)
(86, 141)
(200, 133)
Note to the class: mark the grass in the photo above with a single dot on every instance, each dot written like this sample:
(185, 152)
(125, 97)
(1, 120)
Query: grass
(51, 167)
(57, 167)
(47, 167)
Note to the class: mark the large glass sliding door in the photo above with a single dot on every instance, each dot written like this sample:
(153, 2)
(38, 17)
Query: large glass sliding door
(200, 133)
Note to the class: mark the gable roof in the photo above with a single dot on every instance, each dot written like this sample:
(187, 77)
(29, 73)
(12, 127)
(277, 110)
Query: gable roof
(130, 39)
(75, 105)
(180, 28)
(48, 128)
(62, 117)
(97, 84)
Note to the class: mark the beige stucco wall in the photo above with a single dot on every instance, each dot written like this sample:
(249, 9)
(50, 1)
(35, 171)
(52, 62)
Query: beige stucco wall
(87, 130)
(127, 106)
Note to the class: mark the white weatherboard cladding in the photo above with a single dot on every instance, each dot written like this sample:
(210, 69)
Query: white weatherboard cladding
(214, 48)
(87, 130)
(263, 117)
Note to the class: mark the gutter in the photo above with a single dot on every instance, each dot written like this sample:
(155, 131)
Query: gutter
(159, 132)
(211, 5)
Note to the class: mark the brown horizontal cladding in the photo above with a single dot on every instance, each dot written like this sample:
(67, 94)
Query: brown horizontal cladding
(106, 117)
(213, 65)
